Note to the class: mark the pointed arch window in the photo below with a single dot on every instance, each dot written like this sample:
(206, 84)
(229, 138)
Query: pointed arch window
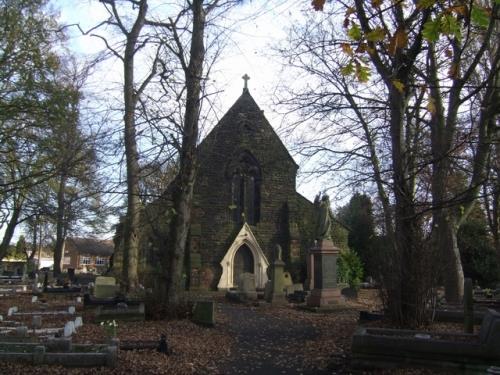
(245, 175)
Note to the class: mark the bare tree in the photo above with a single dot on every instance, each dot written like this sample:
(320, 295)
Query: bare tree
(418, 120)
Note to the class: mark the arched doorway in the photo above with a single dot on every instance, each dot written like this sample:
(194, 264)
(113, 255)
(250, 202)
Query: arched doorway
(257, 262)
(243, 262)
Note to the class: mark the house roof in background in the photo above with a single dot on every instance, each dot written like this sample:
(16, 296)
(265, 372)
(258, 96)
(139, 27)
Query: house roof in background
(90, 246)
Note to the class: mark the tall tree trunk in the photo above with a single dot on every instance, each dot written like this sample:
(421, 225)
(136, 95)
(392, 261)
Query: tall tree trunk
(11, 226)
(131, 225)
(404, 302)
(187, 170)
(35, 238)
(60, 224)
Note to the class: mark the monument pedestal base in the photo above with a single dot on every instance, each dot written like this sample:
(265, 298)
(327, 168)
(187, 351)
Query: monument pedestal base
(324, 297)
(322, 275)
(276, 295)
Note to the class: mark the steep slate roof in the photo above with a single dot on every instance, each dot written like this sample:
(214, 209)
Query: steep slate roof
(245, 109)
(89, 246)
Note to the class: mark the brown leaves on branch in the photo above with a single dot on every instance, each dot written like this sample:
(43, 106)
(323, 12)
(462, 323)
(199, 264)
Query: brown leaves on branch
(318, 4)
(397, 41)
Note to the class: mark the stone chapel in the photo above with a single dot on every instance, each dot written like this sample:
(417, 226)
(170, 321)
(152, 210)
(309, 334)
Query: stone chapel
(245, 203)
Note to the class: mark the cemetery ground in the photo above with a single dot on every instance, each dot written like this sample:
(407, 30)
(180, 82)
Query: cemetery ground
(252, 338)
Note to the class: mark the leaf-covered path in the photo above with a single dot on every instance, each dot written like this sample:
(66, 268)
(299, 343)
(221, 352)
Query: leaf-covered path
(273, 340)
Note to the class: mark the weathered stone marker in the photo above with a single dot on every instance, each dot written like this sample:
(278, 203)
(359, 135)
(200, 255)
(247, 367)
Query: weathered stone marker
(12, 310)
(69, 329)
(246, 286)
(204, 313)
(105, 287)
(37, 322)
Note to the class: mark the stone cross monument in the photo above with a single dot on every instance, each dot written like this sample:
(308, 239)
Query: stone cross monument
(276, 294)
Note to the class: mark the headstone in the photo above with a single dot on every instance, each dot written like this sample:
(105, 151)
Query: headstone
(105, 287)
(71, 310)
(69, 329)
(204, 313)
(78, 322)
(34, 299)
(12, 310)
(37, 322)
(78, 299)
(22, 331)
(246, 286)
(1, 318)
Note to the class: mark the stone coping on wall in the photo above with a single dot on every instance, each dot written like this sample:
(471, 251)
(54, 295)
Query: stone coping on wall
(388, 348)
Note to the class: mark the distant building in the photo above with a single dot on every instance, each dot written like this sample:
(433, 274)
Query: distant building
(87, 254)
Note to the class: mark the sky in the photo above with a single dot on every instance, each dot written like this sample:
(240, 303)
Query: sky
(248, 51)
(254, 28)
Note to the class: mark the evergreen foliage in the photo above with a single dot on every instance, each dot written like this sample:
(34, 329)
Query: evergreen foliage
(350, 268)
(478, 253)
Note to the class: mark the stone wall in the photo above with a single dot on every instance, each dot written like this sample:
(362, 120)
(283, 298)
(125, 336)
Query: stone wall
(285, 216)
(244, 129)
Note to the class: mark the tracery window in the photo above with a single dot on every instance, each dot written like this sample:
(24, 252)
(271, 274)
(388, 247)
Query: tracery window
(245, 177)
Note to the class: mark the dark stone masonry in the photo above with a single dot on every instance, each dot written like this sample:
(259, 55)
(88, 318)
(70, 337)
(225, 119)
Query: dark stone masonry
(245, 203)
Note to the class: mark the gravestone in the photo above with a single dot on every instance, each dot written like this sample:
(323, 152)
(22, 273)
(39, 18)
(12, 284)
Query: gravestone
(69, 329)
(22, 331)
(105, 287)
(37, 322)
(204, 313)
(246, 286)
(12, 310)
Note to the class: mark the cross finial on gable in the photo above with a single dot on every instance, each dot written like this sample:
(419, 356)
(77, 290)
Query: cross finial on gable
(245, 78)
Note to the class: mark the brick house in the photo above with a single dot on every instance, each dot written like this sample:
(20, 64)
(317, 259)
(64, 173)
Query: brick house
(87, 254)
